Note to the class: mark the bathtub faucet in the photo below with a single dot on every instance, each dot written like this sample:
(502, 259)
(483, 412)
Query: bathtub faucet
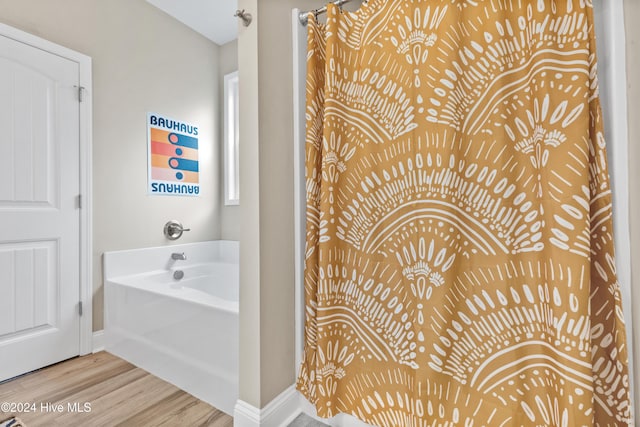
(178, 255)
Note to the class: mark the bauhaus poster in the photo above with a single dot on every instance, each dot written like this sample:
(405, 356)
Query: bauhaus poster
(173, 156)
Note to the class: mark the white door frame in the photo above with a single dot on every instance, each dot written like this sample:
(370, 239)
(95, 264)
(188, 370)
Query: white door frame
(86, 229)
(611, 41)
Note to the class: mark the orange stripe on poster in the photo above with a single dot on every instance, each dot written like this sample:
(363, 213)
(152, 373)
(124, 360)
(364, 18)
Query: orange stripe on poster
(158, 161)
(160, 135)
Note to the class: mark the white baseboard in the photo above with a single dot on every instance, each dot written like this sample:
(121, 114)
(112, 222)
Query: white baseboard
(340, 420)
(278, 413)
(282, 410)
(98, 341)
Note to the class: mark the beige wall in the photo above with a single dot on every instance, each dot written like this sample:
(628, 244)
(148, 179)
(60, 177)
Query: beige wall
(632, 17)
(229, 215)
(249, 363)
(143, 60)
(276, 180)
(267, 322)
(266, 208)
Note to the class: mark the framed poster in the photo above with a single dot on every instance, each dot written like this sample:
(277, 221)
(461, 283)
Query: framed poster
(173, 165)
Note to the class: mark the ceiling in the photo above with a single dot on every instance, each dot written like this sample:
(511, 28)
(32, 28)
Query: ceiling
(211, 18)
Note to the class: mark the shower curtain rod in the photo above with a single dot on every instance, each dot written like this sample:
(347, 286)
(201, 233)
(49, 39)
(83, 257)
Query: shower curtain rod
(304, 18)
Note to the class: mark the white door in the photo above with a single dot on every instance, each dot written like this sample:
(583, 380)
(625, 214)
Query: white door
(39, 212)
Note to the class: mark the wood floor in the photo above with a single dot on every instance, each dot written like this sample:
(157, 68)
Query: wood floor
(116, 393)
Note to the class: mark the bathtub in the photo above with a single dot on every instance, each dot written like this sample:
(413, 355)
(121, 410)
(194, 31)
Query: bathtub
(183, 331)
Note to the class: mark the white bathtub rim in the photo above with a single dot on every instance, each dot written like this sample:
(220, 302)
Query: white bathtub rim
(159, 271)
(129, 262)
(205, 300)
(177, 247)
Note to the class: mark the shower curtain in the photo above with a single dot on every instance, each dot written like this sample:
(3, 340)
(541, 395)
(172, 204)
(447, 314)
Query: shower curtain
(459, 265)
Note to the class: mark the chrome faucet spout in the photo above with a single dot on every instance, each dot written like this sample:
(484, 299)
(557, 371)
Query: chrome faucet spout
(178, 256)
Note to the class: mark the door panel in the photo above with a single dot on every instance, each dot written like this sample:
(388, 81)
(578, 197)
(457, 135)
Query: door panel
(28, 274)
(39, 216)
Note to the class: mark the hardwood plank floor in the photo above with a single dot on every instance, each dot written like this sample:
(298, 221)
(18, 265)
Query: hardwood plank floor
(116, 392)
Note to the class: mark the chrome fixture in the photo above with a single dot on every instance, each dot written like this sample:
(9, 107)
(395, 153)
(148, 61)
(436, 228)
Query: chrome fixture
(303, 17)
(245, 16)
(178, 274)
(178, 256)
(174, 229)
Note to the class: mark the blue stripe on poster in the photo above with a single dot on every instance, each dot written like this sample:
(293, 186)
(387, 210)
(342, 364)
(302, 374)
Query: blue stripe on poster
(183, 140)
(183, 164)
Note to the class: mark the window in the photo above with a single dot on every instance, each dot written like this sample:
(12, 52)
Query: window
(231, 149)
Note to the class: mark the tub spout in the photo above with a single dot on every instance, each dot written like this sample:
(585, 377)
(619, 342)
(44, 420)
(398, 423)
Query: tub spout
(178, 255)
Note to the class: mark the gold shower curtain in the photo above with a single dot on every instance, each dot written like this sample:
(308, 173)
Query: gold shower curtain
(459, 258)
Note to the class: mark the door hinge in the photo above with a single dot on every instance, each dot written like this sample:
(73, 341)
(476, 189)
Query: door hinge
(80, 308)
(79, 201)
(81, 90)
